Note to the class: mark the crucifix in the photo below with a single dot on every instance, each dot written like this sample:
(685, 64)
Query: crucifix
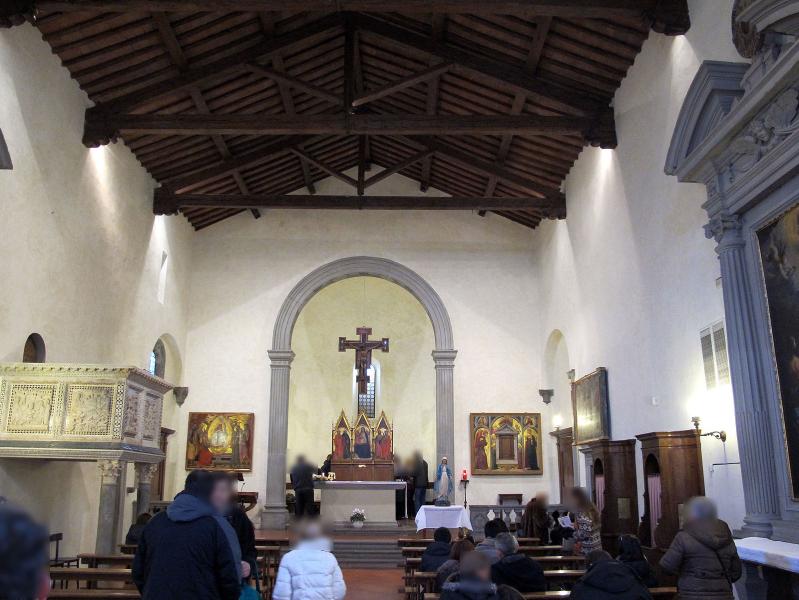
(363, 353)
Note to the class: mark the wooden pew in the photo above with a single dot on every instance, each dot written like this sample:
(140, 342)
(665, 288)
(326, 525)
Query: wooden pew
(423, 582)
(548, 563)
(534, 551)
(118, 561)
(423, 542)
(127, 548)
(664, 593)
(90, 577)
(268, 562)
(94, 594)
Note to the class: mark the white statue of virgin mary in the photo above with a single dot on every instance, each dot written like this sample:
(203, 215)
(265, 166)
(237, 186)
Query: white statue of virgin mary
(444, 485)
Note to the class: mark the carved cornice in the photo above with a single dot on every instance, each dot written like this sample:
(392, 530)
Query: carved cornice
(722, 224)
(745, 35)
(669, 17)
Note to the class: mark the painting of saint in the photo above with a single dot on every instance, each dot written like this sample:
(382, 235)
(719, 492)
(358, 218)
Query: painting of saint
(363, 443)
(220, 441)
(383, 442)
(341, 444)
(480, 447)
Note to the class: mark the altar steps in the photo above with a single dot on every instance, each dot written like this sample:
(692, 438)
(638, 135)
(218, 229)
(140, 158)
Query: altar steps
(367, 553)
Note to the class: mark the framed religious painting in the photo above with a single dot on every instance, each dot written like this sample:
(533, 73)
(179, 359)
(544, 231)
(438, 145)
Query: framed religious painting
(591, 407)
(779, 257)
(220, 441)
(506, 444)
(384, 439)
(342, 440)
(362, 435)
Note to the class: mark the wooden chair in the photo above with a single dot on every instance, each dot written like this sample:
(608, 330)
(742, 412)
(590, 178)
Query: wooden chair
(60, 561)
(268, 562)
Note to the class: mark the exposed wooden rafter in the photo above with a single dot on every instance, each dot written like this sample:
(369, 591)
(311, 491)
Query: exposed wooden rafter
(167, 203)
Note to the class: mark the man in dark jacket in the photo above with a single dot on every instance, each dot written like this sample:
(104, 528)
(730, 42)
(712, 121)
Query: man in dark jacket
(302, 483)
(514, 569)
(608, 579)
(189, 550)
(241, 524)
(437, 553)
(703, 554)
(420, 480)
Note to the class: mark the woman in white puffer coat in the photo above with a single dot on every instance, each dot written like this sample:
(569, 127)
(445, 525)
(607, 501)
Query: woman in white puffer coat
(310, 571)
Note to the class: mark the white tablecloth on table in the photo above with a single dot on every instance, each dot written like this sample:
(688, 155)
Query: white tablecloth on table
(761, 551)
(451, 517)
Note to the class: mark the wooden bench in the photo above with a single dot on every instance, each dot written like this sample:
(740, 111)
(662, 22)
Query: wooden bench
(268, 562)
(535, 551)
(91, 594)
(422, 582)
(547, 563)
(663, 593)
(423, 542)
(90, 577)
(118, 561)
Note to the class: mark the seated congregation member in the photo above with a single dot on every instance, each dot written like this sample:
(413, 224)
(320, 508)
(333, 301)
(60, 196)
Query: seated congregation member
(516, 570)
(437, 553)
(587, 537)
(310, 571)
(450, 568)
(135, 530)
(488, 546)
(632, 555)
(703, 554)
(190, 550)
(608, 579)
(24, 546)
(536, 521)
(241, 524)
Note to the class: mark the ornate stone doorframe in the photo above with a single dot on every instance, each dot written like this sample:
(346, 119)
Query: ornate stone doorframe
(280, 356)
(738, 133)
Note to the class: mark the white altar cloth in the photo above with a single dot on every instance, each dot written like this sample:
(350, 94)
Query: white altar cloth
(377, 498)
(762, 551)
(451, 517)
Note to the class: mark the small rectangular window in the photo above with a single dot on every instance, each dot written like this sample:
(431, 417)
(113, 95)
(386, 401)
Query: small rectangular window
(714, 355)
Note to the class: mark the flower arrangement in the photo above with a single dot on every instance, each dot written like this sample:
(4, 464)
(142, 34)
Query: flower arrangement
(358, 515)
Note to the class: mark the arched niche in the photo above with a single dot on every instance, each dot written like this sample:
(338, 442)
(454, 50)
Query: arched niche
(652, 505)
(281, 356)
(558, 414)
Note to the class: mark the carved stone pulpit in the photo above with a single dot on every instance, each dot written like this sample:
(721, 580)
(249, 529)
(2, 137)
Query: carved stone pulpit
(107, 414)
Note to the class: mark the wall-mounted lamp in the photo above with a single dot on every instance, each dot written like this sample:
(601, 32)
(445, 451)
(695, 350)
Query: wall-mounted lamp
(546, 395)
(570, 374)
(719, 435)
(180, 394)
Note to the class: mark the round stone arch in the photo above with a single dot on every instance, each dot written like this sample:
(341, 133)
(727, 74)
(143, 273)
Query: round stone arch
(281, 356)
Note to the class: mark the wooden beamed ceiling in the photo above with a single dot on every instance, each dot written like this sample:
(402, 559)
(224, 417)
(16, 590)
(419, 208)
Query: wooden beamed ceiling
(240, 105)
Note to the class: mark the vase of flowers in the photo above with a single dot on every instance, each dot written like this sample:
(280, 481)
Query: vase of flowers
(358, 517)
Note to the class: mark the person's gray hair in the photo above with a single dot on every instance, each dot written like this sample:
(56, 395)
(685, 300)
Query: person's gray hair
(700, 508)
(507, 544)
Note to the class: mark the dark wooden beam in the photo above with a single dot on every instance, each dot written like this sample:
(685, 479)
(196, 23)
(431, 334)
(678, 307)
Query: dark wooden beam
(401, 166)
(526, 8)
(167, 203)
(239, 62)
(555, 96)
(293, 82)
(401, 84)
(326, 168)
(336, 124)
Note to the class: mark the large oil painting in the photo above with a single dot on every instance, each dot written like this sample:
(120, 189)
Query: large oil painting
(506, 444)
(779, 254)
(220, 441)
(591, 407)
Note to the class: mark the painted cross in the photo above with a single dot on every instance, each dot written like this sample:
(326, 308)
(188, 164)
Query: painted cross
(363, 353)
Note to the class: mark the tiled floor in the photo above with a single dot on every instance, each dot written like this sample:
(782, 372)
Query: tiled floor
(373, 584)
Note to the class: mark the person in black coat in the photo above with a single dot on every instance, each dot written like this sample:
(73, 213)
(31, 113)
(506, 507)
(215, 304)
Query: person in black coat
(437, 553)
(135, 530)
(632, 555)
(608, 579)
(189, 550)
(516, 570)
(241, 524)
(302, 483)
(420, 480)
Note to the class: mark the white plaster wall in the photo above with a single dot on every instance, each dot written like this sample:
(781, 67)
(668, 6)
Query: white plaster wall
(82, 253)
(481, 267)
(630, 278)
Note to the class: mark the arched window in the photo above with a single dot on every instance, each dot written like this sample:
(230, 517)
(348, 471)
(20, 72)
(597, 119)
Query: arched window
(158, 359)
(34, 351)
(367, 402)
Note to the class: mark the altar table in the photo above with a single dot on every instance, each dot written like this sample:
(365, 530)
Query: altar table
(451, 517)
(376, 498)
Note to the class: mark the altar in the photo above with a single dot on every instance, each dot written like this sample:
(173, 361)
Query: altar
(376, 498)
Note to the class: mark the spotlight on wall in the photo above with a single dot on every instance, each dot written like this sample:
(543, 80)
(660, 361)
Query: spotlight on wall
(719, 435)
(546, 395)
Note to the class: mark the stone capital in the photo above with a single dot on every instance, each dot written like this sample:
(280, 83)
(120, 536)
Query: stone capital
(110, 470)
(725, 229)
(145, 473)
(281, 358)
(444, 358)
